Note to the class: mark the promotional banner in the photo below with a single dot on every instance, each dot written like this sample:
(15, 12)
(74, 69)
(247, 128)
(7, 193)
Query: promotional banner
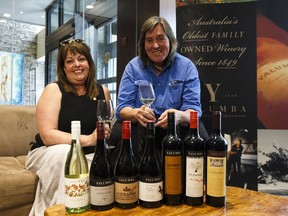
(220, 39)
(272, 100)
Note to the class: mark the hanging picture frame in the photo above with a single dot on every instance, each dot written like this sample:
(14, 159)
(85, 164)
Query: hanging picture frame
(11, 78)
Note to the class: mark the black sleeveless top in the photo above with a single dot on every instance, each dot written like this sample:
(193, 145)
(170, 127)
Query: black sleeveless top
(79, 108)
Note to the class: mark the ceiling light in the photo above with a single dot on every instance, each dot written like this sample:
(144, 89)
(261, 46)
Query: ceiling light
(3, 21)
(89, 6)
(7, 15)
(21, 12)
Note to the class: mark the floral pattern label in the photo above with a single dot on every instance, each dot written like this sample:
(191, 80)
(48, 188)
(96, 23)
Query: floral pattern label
(76, 192)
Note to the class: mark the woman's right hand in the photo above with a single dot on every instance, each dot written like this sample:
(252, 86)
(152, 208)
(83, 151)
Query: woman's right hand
(89, 140)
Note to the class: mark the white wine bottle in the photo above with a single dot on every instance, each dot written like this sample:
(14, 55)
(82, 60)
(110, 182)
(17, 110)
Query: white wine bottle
(76, 174)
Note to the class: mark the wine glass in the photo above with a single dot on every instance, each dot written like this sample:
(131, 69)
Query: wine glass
(105, 112)
(146, 93)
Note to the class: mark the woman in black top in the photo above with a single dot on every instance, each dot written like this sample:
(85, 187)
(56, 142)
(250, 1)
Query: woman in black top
(73, 97)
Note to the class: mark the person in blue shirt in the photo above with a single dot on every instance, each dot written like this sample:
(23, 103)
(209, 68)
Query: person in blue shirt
(174, 79)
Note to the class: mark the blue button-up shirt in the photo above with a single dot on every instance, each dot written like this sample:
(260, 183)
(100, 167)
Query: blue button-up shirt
(177, 86)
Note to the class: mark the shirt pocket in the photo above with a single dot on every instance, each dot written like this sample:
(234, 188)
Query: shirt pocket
(175, 93)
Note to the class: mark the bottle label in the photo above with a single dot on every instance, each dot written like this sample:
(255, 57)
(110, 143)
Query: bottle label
(216, 174)
(173, 172)
(194, 174)
(76, 192)
(126, 190)
(102, 193)
(151, 189)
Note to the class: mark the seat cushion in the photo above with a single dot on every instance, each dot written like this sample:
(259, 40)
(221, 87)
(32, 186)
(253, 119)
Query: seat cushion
(17, 185)
(17, 129)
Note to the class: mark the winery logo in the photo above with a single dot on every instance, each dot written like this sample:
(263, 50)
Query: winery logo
(130, 189)
(160, 189)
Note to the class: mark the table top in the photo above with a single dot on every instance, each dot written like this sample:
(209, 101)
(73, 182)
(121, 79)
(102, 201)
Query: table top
(239, 202)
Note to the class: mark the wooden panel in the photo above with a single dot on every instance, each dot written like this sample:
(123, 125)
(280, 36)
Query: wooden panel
(146, 9)
(126, 35)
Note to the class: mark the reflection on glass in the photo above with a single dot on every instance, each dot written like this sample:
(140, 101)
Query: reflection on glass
(105, 112)
(68, 9)
(146, 93)
(52, 66)
(53, 19)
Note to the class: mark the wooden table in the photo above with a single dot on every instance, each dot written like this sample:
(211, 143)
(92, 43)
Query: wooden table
(240, 202)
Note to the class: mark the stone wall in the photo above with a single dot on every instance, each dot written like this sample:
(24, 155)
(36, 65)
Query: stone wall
(17, 37)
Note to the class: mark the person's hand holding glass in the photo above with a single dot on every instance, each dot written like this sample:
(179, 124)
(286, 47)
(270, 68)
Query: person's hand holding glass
(147, 97)
(105, 112)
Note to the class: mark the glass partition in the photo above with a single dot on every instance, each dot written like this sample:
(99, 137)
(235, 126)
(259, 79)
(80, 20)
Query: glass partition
(20, 64)
(96, 23)
(53, 19)
(68, 10)
(107, 56)
(52, 67)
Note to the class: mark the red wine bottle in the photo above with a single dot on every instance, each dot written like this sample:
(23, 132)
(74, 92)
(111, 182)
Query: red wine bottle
(194, 164)
(172, 164)
(216, 164)
(150, 173)
(101, 174)
(126, 172)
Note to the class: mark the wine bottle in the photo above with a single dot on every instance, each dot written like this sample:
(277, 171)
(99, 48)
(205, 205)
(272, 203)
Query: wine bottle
(272, 76)
(76, 174)
(126, 172)
(172, 164)
(101, 174)
(194, 164)
(150, 173)
(216, 164)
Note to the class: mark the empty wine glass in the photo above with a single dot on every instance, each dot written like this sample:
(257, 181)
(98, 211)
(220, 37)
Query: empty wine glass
(105, 112)
(146, 93)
